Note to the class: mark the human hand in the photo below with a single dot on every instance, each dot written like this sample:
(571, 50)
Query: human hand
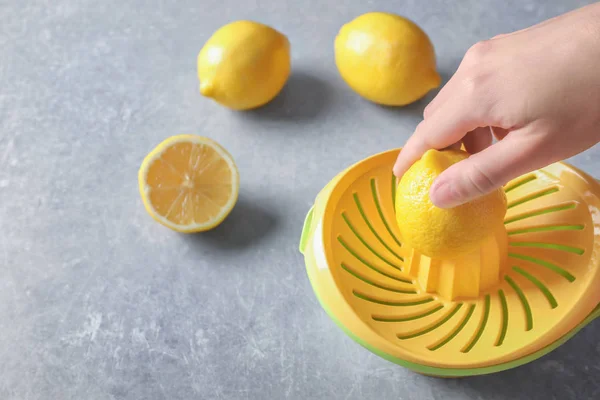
(536, 90)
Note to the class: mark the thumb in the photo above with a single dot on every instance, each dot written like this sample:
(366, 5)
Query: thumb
(488, 170)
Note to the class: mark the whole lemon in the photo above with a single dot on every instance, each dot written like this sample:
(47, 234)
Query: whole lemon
(386, 58)
(443, 233)
(244, 65)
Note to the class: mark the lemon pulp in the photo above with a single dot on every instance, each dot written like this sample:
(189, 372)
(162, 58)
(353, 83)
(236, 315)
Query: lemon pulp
(189, 183)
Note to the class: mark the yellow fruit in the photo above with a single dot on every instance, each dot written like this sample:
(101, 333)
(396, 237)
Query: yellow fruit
(244, 65)
(443, 233)
(386, 58)
(189, 183)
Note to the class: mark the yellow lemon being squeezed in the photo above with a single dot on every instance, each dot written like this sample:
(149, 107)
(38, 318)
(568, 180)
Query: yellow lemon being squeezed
(244, 65)
(443, 233)
(386, 58)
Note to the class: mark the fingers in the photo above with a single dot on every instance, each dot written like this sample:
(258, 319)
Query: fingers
(487, 170)
(443, 95)
(450, 122)
(455, 146)
(463, 105)
(478, 140)
(499, 133)
(474, 141)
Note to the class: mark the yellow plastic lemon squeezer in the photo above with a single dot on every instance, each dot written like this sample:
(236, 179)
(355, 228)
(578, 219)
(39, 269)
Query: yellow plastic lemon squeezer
(532, 284)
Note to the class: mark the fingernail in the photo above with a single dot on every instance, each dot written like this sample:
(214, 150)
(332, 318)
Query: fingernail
(444, 195)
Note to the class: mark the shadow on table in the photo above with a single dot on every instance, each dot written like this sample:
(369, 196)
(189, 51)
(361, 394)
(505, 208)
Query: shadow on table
(306, 96)
(568, 373)
(248, 223)
(303, 98)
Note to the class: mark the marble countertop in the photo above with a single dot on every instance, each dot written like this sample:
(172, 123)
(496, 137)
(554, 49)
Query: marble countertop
(97, 301)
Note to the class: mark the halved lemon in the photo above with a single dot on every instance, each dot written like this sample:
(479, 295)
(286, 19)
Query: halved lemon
(189, 183)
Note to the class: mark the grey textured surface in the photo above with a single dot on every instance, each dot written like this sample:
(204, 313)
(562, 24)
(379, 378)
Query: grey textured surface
(99, 302)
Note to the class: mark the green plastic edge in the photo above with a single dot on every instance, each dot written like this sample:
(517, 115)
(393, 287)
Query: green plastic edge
(437, 371)
(306, 229)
